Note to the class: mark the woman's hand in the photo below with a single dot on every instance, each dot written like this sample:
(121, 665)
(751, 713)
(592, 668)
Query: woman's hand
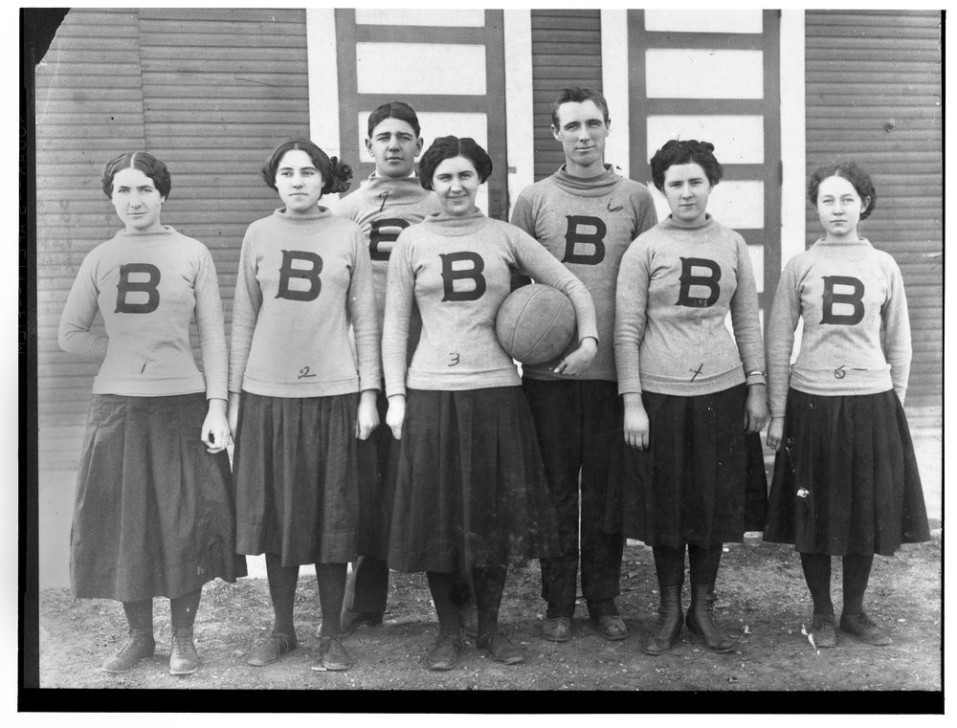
(775, 432)
(216, 433)
(233, 416)
(756, 408)
(636, 422)
(580, 359)
(396, 415)
(367, 418)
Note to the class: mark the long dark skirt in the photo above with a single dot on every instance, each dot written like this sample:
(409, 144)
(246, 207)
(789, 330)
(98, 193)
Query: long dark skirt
(701, 481)
(471, 489)
(295, 470)
(154, 511)
(377, 462)
(846, 478)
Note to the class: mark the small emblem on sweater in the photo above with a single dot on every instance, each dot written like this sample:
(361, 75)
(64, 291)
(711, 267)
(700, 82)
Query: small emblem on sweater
(696, 372)
(803, 493)
(615, 209)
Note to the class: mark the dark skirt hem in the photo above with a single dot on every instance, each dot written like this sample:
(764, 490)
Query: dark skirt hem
(470, 489)
(702, 479)
(846, 478)
(295, 473)
(154, 511)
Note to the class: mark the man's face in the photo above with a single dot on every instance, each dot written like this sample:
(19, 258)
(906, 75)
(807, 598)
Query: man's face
(582, 131)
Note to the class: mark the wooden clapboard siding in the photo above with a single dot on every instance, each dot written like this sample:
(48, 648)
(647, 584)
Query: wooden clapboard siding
(767, 41)
(874, 95)
(566, 51)
(491, 103)
(208, 91)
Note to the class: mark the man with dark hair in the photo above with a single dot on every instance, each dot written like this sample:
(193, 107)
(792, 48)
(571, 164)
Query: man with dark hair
(586, 215)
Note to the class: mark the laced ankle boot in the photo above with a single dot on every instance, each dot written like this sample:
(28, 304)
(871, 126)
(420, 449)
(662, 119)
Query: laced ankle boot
(183, 659)
(139, 645)
(700, 619)
(669, 622)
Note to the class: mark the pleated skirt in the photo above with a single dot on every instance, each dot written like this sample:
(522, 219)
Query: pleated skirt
(296, 480)
(470, 489)
(846, 478)
(154, 513)
(377, 463)
(702, 479)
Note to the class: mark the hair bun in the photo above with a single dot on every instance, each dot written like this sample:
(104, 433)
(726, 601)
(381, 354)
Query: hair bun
(342, 176)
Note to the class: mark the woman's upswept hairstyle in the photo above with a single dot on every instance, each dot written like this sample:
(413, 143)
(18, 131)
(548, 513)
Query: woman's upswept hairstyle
(852, 173)
(394, 110)
(685, 151)
(448, 147)
(145, 163)
(336, 176)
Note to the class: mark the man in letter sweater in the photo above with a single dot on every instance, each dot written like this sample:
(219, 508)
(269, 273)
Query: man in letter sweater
(586, 216)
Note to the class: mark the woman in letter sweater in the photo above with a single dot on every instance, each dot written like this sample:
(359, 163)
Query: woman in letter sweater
(385, 204)
(692, 392)
(846, 481)
(154, 507)
(470, 492)
(304, 277)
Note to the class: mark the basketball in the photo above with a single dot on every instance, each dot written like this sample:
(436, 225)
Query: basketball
(535, 323)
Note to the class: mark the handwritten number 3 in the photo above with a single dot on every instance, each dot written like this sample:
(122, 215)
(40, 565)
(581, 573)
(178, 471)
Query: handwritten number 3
(453, 358)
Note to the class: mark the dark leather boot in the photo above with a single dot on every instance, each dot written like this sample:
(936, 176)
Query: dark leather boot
(139, 645)
(669, 622)
(700, 619)
(183, 659)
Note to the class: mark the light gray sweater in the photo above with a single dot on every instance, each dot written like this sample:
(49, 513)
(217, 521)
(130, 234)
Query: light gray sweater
(458, 271)
(856, 337)
(676, 287)
(147, 287)
(302, 282)
(588, 225)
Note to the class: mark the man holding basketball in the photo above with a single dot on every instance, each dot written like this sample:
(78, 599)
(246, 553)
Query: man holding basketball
(586, 215)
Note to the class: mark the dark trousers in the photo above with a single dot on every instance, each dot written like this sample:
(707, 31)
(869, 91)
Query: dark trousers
(578, 427)
(368, 590)
(371, 586)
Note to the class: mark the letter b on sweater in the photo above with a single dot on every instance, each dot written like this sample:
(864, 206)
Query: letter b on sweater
(453, 270)
(854, 299)
(384, 231)
(575, 236)
(126, 286)
(689, 279)
(310, 275)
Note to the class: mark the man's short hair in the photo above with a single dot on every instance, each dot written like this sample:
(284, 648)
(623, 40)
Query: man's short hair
(579, 94)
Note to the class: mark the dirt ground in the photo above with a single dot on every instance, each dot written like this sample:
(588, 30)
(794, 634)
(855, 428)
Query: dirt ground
(763, 604)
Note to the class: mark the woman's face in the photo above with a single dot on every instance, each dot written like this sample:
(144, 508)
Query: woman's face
(839, 208)
(456, 182)
(136, 200)
(687, 190)
(394, 145)
(299, 182)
